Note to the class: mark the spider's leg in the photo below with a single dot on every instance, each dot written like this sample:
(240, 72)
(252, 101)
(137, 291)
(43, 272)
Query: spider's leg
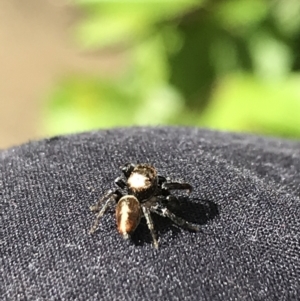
(109, 201)
(150, 225)
(108, 195)
(120, 182)
(172, 185)
(161, 179)
(127, 169)
(171, 202)
(165, 212)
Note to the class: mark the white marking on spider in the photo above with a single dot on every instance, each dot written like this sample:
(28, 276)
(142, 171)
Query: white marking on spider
(138, 181)
(164, 211)
(124, 213)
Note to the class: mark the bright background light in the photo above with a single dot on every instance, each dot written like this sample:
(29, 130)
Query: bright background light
(72, 66)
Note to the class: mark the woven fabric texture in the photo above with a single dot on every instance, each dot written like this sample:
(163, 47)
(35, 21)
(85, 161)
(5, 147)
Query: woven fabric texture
(245, 197)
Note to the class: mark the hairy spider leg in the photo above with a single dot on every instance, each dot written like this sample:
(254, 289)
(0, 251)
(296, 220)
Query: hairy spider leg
(127, 169)
(161, 179)
(120, 182)
(165, 212)
(170, 201)
(175, 185)
(147, 215)
(108, 195)
(112, 198)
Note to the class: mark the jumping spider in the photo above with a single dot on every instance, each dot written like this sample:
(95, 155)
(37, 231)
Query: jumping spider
(142, 191)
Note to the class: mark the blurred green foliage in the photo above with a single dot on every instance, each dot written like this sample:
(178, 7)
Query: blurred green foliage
(231, 64)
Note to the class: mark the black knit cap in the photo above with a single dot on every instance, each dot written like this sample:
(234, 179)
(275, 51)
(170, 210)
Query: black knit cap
(245, 197)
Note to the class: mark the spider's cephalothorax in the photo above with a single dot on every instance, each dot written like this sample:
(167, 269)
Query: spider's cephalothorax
(142, 181)
(142, 192)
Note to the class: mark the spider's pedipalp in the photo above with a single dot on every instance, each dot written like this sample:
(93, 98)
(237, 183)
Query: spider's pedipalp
(120, 182)
(127, 169)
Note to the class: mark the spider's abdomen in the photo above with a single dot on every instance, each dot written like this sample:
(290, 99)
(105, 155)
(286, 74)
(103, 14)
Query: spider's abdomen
(128, 215)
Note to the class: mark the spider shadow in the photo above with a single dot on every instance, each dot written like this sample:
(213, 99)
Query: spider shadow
(194, 210)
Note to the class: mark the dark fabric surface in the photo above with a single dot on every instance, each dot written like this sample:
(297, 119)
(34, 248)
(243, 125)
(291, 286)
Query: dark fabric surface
(246, 199)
